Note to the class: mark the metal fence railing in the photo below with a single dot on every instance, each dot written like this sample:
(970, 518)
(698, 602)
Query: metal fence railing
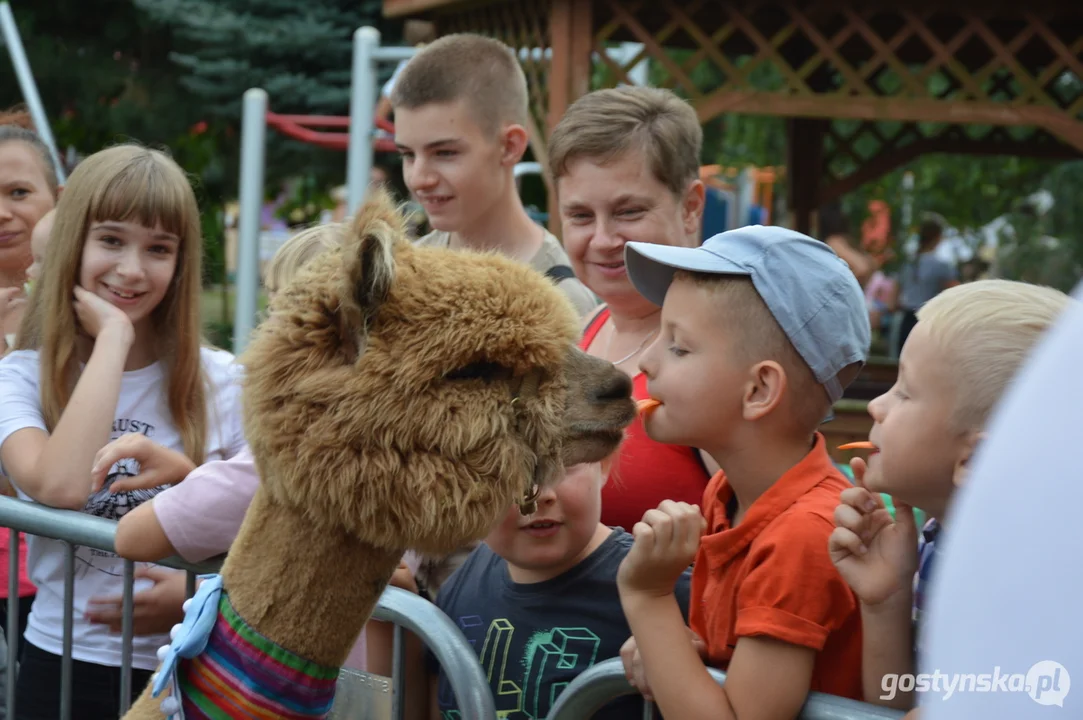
(456, 656)
(359, 696)
(606, 682)
(405, 610)
(72, 528)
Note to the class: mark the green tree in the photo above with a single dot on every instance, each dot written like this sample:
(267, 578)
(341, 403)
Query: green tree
(101, 87)
(968, 192)
(300, 53)
(118, 84)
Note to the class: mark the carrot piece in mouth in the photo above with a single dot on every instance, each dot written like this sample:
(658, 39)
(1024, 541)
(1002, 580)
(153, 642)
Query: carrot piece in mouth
(645, 406)
(858, 446)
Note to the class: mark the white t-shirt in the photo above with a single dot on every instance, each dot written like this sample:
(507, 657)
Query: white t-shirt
(142, 407)
(390, 84)
(1005, 596)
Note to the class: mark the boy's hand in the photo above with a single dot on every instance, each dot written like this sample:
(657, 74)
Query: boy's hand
(158, 465)
(403, 578)
(875, 555)
(633, 662)
(666, 541)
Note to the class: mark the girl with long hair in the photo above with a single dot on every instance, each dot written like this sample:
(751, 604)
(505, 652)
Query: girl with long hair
(110, 344)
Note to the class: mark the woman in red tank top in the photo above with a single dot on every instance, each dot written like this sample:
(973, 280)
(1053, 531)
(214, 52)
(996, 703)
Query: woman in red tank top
(626, 164)
(646, 472)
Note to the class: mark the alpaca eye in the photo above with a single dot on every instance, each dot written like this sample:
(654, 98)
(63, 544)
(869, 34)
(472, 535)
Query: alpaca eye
(481, 370)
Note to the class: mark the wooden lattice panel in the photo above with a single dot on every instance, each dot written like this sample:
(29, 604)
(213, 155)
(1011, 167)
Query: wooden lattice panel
(522, 25)
(856, 152)
(959, 62)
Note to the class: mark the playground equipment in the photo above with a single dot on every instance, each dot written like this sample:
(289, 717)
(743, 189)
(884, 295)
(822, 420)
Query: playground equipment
(736, 197)
(300, 127)
(358, 143)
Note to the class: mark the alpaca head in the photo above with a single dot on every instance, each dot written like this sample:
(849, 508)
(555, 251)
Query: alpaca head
(409, 395)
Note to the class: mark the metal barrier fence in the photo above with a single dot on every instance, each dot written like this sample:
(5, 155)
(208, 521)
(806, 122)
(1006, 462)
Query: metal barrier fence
(405, 610)
(606, 682)
(360, 696)
(456, 656)
(73, 528)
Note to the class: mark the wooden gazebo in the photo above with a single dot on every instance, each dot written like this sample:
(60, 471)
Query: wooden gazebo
(865, 86)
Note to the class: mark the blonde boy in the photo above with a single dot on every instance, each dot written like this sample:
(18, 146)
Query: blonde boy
(762, 329)
(968, 343)
(460, 115)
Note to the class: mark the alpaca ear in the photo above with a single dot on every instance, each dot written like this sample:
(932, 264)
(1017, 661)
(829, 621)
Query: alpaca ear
(370, 267)
(374, 269)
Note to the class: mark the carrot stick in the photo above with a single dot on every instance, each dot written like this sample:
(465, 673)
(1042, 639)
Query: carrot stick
(645, 406)
(858, 446)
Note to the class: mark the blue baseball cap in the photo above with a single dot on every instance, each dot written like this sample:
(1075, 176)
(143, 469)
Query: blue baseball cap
(810, 290)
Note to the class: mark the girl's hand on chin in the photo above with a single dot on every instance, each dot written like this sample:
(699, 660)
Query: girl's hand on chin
(97, 315)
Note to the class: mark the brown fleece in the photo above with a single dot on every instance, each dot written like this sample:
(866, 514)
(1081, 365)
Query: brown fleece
(399, 397)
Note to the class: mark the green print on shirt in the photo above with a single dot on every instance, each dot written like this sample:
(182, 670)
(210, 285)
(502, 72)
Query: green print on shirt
(524, 688)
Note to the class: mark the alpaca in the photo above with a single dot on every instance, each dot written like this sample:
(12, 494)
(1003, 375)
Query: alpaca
(396, 397)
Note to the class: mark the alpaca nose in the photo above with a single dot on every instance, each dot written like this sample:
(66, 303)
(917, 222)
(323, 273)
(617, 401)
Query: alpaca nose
(617, 387)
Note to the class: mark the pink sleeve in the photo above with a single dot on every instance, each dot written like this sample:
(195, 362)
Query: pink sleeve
(202, 514)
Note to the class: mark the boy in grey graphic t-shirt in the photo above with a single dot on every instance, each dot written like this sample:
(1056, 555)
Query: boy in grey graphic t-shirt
(538, 601)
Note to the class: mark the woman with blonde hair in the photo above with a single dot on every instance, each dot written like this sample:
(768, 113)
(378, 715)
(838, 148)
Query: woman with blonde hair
(626, 165)
(111, 344)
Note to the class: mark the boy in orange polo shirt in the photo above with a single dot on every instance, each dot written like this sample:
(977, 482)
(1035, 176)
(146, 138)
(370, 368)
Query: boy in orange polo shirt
(762, 329)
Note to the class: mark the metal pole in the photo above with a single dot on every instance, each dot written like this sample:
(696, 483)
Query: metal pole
(127, 631)
(253, 150)
(12, 627)
(362, 111)
(398, 674)
(66, 667)
(27, 85)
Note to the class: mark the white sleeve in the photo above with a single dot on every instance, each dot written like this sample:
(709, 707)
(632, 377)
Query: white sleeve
(1004, 600)
(20, 401)
(226, 376)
